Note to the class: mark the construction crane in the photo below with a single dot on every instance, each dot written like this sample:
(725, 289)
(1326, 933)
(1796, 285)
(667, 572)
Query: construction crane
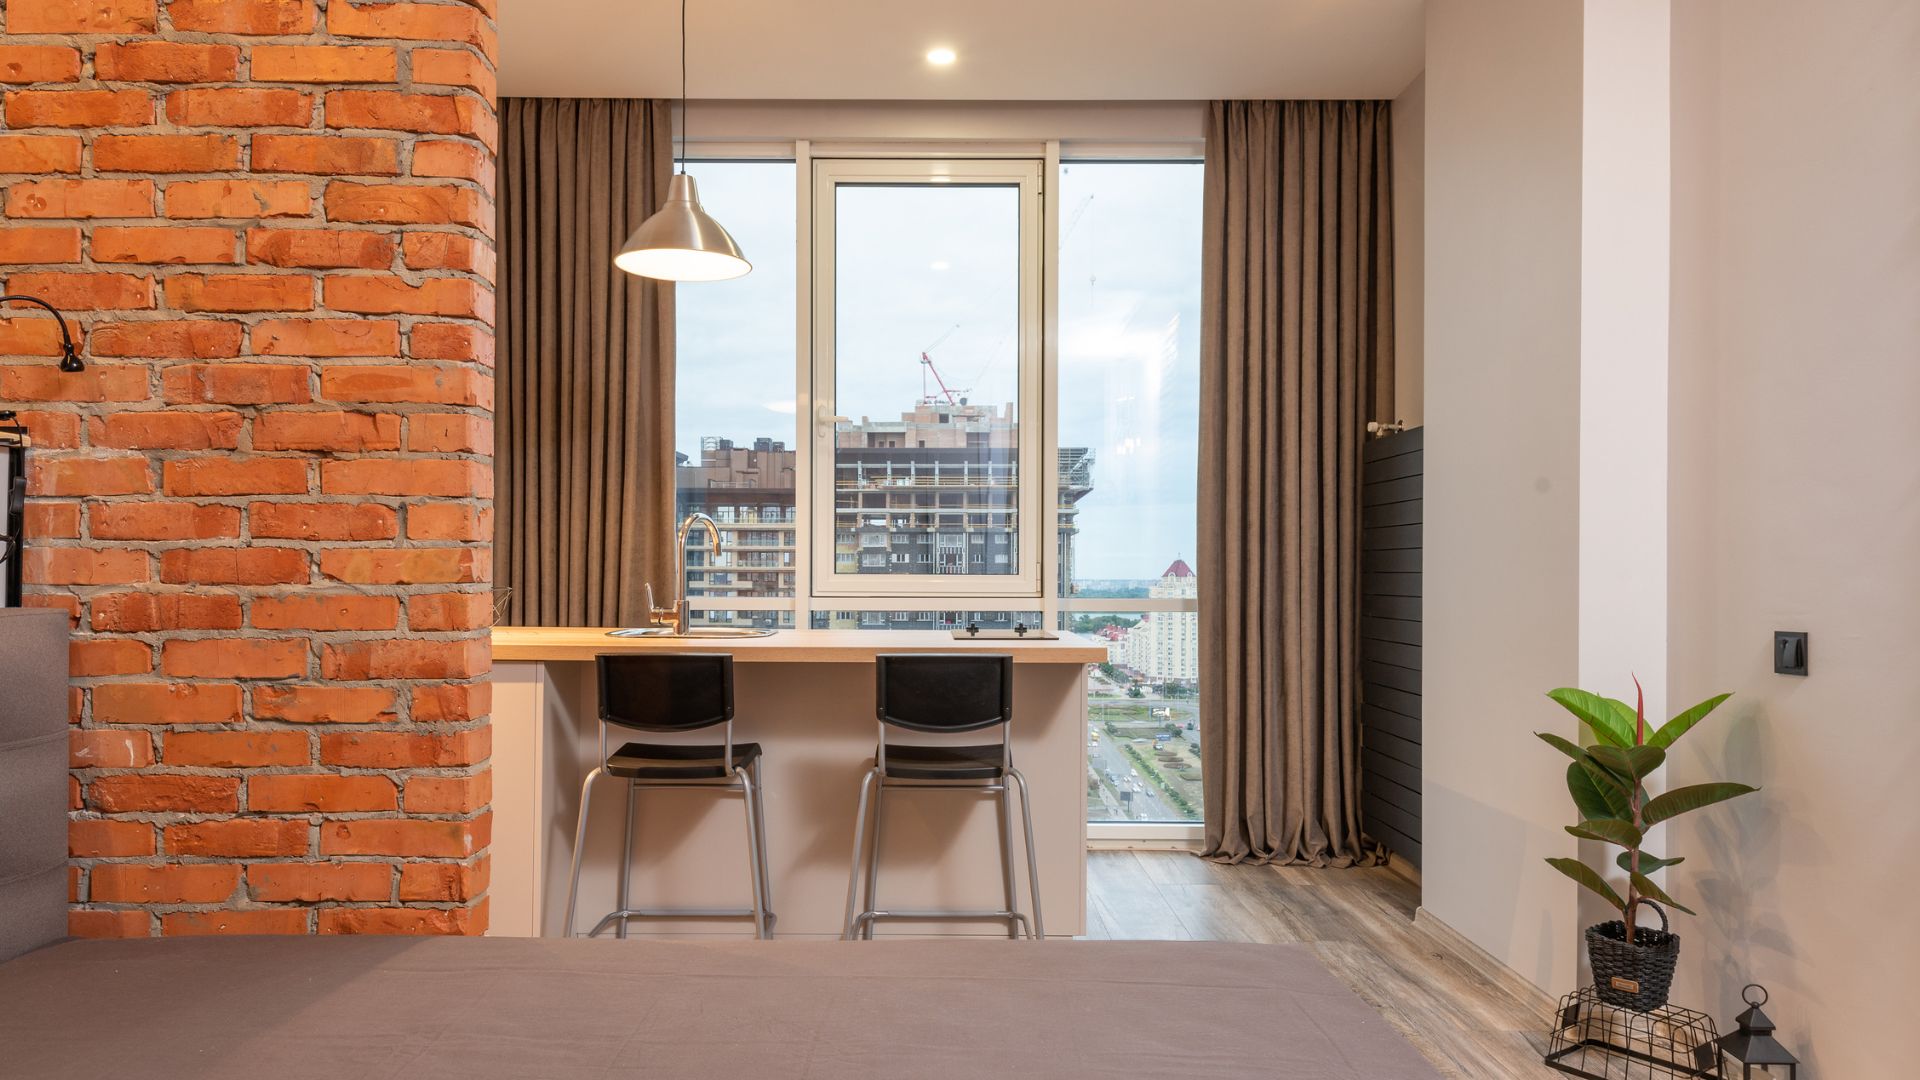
(928, 397)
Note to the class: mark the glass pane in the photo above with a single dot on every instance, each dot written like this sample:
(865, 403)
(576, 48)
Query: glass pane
(926, 369)
(921, 620)
(1143, 737)
(734, 407)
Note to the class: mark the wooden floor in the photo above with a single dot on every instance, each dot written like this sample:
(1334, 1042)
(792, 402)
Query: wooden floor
(1360, 922)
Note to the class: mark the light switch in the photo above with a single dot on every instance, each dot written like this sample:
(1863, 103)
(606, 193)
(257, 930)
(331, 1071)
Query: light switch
(1789, 652)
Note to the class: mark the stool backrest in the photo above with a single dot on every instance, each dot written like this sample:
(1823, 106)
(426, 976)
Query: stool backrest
(944, 691)
(666, 691)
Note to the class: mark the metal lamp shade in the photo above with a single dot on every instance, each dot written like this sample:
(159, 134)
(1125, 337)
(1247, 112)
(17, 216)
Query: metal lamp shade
(681, 243)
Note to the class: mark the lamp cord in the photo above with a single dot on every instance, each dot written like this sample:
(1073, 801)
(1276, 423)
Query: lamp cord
(682, 163)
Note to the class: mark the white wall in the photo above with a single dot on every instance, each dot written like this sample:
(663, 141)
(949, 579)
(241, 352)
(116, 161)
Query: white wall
(1796, 506)
(1410, 252)
(1503, 137)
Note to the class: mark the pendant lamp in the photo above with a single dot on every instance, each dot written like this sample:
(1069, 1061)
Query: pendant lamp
(680, 242)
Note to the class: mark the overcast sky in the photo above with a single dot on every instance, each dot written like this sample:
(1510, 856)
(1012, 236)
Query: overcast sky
(931, 269)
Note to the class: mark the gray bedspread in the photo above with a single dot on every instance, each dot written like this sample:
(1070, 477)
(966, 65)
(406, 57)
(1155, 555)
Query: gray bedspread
(467, 1009)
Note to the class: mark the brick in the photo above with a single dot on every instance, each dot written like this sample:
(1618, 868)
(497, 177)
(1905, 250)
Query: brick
(190, 339)
(166, 430)
(326, 705)
(333, 155)
(238, 837)
(59, 602)
(326, 337)
(403, 920)
(447, 251)
(236, 384)
(217, 476)
(86, 659)
(306, 793)
(46, 520)
(406, 382)
(322, 521)
(417, 476)
(130, 883)
(393, 110)
(166, 62)
(163, 521)
(452, 702)
(164, 244)
(229, 921)
(455, 67)
(239, 107)
(449, 611)
(406, 204)
(310, 883)
(234, 566)
(406, 659)
(258, 17)
(347, 612)
(126, 474)
(404, 749)
(51, 431)
(342, 432)
(81, 17)
(87, 923)
(448, 794)
(233, 658)
(166, 703)
(29, 334)
(143, 612)
(86, 292)
(327, 63)
(78, 108)
(239, 292)
(40, 244)
(450, 433)
(384, 295)
(407, 566)
(236, 750)
(237, 199)
(159, 793)
(450, 341)
(93, 838)
(166, 153)
(38, 63)
(105, 748)
(411, 22)
(459, 160)
(429, 839)
(442, 882)
(320, 248)
(40, 153)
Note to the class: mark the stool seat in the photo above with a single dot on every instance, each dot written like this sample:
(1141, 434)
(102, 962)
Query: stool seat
(660, 761)
(945, 762)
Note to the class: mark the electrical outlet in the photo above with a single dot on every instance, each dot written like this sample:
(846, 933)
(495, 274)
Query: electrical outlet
(1789, 652)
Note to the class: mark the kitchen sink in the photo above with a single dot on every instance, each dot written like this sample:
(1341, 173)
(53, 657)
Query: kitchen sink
(691, 632)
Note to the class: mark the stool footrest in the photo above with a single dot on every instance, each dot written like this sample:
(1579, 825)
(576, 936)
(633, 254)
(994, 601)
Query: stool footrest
(945, 913)
(613, 917)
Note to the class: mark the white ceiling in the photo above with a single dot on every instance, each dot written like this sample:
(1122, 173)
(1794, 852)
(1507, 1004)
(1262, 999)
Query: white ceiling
(1009, 50)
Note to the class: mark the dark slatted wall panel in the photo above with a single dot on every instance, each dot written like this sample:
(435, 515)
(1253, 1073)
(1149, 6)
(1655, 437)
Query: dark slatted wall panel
(1390, 642)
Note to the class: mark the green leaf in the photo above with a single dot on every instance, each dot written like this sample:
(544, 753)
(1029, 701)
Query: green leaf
(1648, 863)
(1584, 874)
(1593, 797)
(1565, 746)
(1597, 713)
(1683, 800)
(1637, 762)
(1608, 830)
(1645, 887)
(1672, 730)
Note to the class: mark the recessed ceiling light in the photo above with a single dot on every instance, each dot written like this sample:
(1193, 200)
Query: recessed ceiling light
(941, 56)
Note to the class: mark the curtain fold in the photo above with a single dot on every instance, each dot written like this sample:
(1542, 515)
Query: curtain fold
(583, 502)
(1296, 357)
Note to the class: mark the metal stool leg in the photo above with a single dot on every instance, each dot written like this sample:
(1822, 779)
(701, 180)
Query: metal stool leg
(626, 861)
(760, 826)
(1004, 808)
(753, 856)
(1033, 863)
(859, 850)
(579, 845)
(873, 861)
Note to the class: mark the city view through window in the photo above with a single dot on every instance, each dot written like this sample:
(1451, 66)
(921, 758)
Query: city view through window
(926, 472)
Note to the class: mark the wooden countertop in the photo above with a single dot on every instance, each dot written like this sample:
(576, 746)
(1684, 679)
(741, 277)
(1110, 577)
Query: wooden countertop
(580, 644)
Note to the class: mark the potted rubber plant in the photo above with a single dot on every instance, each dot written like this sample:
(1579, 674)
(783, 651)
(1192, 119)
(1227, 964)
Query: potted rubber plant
(1632, 964)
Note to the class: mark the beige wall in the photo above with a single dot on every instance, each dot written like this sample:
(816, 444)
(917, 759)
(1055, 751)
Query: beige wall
(1410, 253)
(1796, 505)
(1502, 269)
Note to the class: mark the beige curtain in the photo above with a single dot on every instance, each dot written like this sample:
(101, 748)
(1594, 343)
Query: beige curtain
(1296, 356)
(583, 499)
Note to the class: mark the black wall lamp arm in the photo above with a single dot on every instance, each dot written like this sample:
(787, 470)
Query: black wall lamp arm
(69, 357)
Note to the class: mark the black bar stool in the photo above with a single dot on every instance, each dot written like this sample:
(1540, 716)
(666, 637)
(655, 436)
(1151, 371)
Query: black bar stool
(669, 692)
(943, 693)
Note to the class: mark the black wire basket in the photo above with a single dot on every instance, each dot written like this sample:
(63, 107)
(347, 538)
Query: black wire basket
(1634, 976)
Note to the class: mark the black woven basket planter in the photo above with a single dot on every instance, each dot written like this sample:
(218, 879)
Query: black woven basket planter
(1636, 976)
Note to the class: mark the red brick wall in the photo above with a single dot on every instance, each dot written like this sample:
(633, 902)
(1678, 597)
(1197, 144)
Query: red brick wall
(267, 501)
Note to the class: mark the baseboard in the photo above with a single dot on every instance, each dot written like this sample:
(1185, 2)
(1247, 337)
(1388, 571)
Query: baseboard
(1402, 867)
(1485, 962)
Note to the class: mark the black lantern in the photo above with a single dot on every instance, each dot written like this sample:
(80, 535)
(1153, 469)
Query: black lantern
(1753, 1044)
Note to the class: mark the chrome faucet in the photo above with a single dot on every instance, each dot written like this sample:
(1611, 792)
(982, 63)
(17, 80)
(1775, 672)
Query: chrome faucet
(677, 615)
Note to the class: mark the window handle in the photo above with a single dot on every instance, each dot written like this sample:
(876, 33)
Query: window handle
(823, 419)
